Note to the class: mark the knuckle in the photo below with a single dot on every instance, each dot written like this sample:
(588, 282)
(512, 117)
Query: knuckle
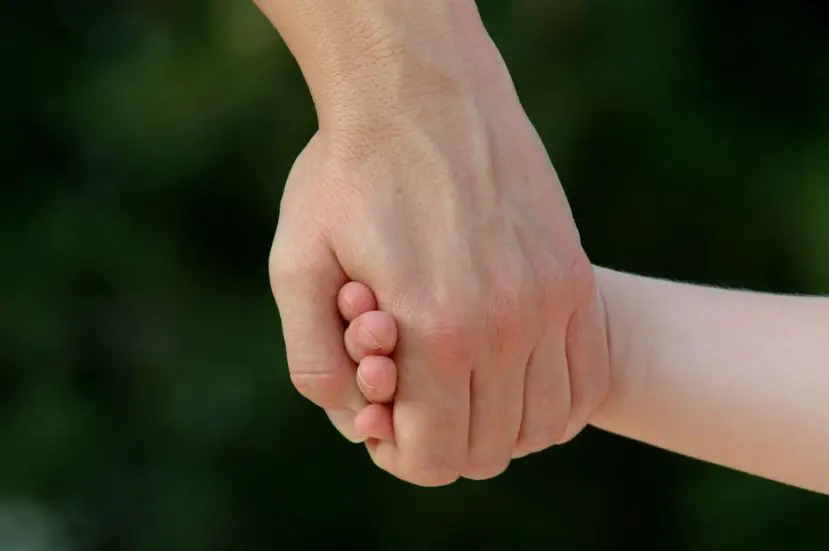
(446, 331)
(506, 313)
(288, 268)
(446, 319)
(567, 279)
(445, 338)
(281, 258)
(283, 269)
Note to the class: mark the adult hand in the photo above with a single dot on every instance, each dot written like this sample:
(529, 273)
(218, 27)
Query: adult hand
(427, 183)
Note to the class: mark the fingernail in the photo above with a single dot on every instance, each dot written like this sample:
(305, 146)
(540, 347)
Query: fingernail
(349, 303)
(370, 338)
(364, 382)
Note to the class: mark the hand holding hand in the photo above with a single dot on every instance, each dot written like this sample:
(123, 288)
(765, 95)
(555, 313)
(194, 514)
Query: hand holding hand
(428, 184)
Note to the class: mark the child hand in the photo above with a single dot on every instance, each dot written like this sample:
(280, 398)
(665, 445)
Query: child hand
(370, 339)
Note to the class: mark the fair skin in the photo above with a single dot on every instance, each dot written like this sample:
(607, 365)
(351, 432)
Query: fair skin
(427, 182)
(736, 378)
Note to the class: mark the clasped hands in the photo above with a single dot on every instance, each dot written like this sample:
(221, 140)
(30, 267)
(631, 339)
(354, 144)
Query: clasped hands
(435, 298)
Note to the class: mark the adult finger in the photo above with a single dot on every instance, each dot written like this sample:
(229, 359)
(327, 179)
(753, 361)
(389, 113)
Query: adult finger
(496, 402)
(305, 286)
(375, 422)
(344, 421)
(587, 357)
(546, 395)
(431, 406)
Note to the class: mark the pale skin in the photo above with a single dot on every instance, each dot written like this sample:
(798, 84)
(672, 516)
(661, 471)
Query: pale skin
(735, 378)
(427, 182)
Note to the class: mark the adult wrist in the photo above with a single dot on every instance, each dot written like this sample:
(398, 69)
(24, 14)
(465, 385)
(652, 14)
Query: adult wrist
(368, 62)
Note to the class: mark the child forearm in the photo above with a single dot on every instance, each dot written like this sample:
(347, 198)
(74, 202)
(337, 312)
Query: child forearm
(734, 378)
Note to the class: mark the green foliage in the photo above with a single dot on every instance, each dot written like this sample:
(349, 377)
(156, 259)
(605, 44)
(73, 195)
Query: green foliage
(144, 399)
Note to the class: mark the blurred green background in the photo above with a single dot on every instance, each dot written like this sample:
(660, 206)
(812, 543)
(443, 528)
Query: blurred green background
(144, 398)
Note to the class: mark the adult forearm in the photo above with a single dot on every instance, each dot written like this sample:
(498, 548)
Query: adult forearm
(365, 60)
(735, 378)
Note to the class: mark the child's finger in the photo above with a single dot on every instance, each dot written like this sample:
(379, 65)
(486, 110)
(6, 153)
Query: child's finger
(371, 334)
(355, 299)
(375, 421)
(377, 379)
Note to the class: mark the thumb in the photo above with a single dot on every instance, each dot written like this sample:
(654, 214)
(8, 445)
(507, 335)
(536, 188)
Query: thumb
(306, 282)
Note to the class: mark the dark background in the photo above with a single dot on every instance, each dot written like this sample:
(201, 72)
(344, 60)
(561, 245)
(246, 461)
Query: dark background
(144, 398)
